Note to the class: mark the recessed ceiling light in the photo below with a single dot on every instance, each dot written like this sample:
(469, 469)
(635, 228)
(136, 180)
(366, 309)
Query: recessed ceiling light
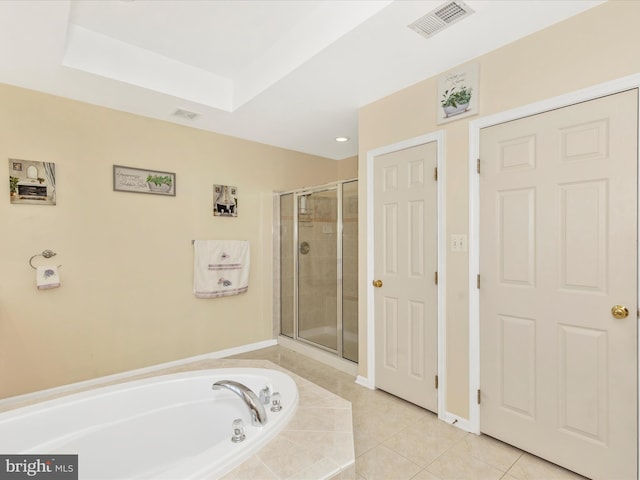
(342, 139)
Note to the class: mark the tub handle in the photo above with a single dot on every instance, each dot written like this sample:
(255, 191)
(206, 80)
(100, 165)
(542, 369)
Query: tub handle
(238, 431)
(276, 406)
(265, 395)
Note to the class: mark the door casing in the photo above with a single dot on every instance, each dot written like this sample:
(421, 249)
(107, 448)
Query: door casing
(475, 126)
(439, 138)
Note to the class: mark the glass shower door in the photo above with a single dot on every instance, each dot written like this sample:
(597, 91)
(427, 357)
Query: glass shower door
(287, 266)
(318, 268)
(350, 271)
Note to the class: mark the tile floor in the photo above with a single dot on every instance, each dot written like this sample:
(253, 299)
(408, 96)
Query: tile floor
(396, 440)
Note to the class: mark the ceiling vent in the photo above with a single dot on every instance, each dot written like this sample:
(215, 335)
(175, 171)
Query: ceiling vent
(441, 17)
(186, 114)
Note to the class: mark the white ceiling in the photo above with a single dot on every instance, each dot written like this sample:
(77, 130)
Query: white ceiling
(282, 72)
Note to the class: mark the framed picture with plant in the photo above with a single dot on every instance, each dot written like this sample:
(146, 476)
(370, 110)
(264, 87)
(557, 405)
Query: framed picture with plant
(139, 180)
(458, 94)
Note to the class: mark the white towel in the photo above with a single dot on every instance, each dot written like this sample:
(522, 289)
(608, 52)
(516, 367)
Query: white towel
(220, 268)
(47, 277)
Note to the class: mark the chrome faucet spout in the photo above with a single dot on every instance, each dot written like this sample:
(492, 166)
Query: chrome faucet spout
(258, 413)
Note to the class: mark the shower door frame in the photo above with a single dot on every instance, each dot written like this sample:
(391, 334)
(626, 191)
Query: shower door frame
(337, 187)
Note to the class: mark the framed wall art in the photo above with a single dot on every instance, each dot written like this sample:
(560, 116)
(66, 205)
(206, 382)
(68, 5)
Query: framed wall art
(139, 180)
(225, 201)
(458, 94)
(32, 182)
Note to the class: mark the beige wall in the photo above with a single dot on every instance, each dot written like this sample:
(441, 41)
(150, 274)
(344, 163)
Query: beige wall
(348, 168)
(126, 300)
(127, 260)
(599, 45)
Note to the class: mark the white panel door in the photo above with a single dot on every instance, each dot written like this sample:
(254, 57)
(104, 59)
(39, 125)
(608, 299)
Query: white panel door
(406, 259)
(558, 248)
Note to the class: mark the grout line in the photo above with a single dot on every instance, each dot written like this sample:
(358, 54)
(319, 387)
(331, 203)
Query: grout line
(512, 464)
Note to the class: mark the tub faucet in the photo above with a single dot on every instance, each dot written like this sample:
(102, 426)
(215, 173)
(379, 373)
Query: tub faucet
(258, 413)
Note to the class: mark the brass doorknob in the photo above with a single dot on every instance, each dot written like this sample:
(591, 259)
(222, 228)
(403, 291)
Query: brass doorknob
(618, 311)
(377, 283)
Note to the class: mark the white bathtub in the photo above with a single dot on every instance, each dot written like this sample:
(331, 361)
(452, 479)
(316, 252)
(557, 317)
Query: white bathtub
(165, 427)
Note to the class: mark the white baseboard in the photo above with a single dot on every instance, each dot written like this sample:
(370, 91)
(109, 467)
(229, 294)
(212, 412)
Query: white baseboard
(241, 349)
(364, 381)
(456, 421)
(139, 371)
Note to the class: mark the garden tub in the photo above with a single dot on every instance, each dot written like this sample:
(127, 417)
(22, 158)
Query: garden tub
(165, 427)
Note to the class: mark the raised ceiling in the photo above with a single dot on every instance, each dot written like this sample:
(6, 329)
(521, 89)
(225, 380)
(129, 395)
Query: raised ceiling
(287, 73)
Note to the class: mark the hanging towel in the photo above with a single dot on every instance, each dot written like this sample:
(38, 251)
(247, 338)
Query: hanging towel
(47, 277)
(221, 268)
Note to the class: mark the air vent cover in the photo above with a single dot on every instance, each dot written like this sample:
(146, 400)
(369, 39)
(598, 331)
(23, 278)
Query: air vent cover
(182, 113)
(441, 17)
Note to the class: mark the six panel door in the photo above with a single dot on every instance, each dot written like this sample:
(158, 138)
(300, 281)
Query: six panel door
(558, 248)
(405, 252)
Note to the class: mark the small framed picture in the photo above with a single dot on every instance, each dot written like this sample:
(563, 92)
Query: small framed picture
(458, 94)
(225, 201)
(32, 182)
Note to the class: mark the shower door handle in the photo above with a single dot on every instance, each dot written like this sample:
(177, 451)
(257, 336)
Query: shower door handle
(377, 283)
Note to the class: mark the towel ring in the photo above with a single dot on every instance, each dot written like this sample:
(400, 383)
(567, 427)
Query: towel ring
(45, 254)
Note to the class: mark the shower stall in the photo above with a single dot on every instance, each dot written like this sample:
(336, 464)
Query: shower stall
(318, 266)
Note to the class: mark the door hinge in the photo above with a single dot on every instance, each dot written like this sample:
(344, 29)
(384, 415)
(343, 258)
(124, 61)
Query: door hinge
(478, 281)
(478, 396)
(436, 382)
(436, 278)
(435, 174)
(478, 166)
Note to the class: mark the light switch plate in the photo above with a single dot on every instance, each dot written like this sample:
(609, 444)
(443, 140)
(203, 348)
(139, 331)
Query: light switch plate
(458, 242)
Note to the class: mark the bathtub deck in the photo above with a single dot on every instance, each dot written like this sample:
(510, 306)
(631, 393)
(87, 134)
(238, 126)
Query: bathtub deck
(317, 443)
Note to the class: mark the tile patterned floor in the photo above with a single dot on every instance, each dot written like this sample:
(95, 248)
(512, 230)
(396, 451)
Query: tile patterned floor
(396, 440)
